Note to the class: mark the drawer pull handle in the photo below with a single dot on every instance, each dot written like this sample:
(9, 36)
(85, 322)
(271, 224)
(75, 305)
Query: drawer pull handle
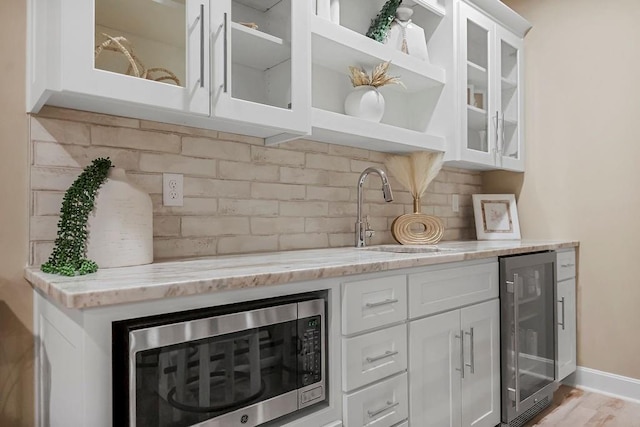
(567, 265)
(382, 356)
(390, 405)
(561, 301)
(381, 303)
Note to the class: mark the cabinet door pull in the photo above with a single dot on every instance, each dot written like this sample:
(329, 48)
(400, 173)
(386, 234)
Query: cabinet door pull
(461, 369)
(495, 149)
(472, 356)
(567, 265)
(516, 345)
(382, 356)
(502, 140)
(226, 53)
(561, 301)
(381, 303)
(201, 45)
(390, 405)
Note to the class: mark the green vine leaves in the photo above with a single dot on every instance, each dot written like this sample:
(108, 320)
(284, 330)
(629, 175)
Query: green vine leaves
(69, 254)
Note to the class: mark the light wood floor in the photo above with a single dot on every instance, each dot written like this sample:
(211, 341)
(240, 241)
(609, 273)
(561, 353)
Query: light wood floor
(572, 407)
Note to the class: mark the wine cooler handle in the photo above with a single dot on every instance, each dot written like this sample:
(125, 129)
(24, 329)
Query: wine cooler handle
(561, 301)
(461, 369)
(516, 341)
(472, 355)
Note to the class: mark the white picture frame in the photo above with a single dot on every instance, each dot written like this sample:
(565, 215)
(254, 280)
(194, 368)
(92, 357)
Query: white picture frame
(496, 217)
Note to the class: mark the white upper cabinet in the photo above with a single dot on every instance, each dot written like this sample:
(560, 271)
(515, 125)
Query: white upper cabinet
(490, 89)
(234, 65)
(261, 68)
(407, 122)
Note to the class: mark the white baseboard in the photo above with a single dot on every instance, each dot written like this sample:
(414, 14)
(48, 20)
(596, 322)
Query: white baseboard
(605, 383)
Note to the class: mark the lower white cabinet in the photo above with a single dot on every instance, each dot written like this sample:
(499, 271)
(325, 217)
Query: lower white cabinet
(382, 404)
(566, 314)
(454, 368)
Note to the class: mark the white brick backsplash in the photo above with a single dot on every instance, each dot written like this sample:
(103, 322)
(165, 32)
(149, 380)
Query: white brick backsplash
(304, 176)
(63, 132)
(304, 209)
(172, 247)
(261, 226)
(225, 136)
(248, 207)
(240, 196)
(306, 145)
(213, 149)
(194, 226)
(56, 179)
(87, 117)
(47, 202)
(173, 163)
(53, 154)
(166, 127)
(277, 191)
(201, 187)
(247, 244)
(166, 226)
(303, 241)
(328, 193)
(191, 206)
(247, 171)
(135, 139)
(325, 162)
(329, 225)
(276, 156)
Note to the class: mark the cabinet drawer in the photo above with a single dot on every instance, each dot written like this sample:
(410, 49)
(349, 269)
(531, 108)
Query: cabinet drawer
(373, 356)
(442, 289)
(368, 304)
(566, 267)
(381, 405)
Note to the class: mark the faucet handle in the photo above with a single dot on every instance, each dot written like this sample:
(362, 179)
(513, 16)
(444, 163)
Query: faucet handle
(368, 232)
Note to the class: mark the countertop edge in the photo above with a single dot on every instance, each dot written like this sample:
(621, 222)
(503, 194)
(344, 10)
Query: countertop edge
(53, 286)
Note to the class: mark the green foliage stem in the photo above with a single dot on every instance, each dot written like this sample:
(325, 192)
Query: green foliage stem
(68, 256)
(380, 26)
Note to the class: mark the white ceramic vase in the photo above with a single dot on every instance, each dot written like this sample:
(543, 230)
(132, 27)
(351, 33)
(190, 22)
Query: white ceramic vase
(365, 102)
(120, 227)
(406, 36)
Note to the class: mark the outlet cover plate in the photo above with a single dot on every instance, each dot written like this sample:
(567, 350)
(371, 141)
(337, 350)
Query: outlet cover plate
(172, 189)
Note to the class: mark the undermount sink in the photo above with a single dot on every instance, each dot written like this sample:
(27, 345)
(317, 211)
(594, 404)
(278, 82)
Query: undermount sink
(410, 249)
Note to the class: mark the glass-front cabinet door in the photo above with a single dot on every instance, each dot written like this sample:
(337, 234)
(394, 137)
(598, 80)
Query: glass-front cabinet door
(261, 64)
(478, 122)
(528, 330)
(149, 52)
(509, 108)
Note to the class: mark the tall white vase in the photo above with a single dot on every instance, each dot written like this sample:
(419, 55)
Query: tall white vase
(120, 227)
(406, 36)
(365, 102)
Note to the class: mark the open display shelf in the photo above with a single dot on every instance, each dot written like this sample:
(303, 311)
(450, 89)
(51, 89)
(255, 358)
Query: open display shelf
(341, 129)
(256, 49)
(336, 48)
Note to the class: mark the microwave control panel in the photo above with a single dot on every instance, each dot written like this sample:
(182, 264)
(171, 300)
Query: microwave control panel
(310, 333)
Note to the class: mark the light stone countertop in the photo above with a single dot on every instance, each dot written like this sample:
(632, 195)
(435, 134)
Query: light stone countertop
(204, 275)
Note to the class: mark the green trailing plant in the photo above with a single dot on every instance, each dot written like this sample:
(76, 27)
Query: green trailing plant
(380, 25)
(69, 254)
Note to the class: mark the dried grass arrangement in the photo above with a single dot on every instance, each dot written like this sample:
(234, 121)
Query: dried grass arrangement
(415, 172)
(378, 77)
(136, 67)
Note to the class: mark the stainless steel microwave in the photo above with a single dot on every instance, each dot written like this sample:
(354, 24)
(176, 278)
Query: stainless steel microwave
(239, 365)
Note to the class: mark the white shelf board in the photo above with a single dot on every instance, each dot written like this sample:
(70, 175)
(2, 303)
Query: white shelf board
(510, 122)
(431, 5)
(340, 129)
(509, 84)
(260, 5)
(256, 49)
(477, 75)
(336, 47)
(476, 118)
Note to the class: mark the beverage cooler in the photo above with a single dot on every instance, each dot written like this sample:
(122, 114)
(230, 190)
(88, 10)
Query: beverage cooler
(528, 335)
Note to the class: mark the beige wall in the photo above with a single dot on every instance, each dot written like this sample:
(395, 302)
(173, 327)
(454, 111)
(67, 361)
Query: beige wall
(583, 149)
(16, 340)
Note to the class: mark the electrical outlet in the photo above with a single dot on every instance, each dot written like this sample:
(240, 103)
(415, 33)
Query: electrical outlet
(455, 203)
(172, 189)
